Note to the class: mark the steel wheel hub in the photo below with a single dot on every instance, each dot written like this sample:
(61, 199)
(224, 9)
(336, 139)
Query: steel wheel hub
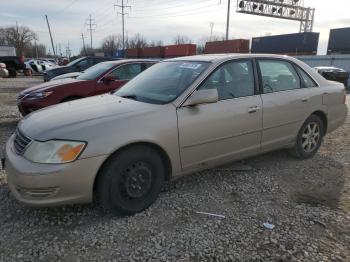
(138, 180)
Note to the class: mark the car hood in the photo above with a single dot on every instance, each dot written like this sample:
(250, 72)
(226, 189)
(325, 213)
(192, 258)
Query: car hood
(48, 85)
(69, 120)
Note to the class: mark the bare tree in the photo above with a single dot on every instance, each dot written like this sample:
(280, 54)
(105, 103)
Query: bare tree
(156, 43)
(182, 39)
(111, 43)
(19, 37)
(35, 50)
(137, 41)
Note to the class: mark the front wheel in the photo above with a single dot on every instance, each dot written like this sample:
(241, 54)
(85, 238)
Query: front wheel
(309, 138)
(130, 181)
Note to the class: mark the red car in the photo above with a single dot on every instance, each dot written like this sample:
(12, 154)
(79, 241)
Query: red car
(98, 79)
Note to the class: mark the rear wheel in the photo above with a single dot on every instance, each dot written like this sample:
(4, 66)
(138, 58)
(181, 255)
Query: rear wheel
(309, 138)
(130, 181)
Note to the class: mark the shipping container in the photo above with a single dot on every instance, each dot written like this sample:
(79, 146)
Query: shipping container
(228, 46)
(339, 41)
(180, 50)
(133, 52)
(292, 44)
(153, 52)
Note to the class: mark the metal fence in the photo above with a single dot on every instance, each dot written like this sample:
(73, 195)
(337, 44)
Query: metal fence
(340, 61)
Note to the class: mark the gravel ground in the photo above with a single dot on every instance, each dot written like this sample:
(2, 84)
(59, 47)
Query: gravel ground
(308, 202)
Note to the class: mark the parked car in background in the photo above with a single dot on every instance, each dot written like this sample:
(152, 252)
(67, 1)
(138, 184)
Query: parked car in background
(13, 64)
(334, 74)
(68, 75)
(180, 116)
(77, 65)
(3, 71)
(98, 79)
(39, 65)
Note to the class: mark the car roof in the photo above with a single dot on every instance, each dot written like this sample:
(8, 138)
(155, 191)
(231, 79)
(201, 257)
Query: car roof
(223, 57)
(124, 61)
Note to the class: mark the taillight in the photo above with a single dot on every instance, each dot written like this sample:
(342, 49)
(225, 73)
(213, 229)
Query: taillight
(344, 99)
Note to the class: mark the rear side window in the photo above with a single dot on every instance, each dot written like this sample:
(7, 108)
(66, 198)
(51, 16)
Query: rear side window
(278, 76)
(306, 79)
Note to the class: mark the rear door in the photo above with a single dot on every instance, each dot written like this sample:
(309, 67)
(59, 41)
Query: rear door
(122, 74)
(285, 102)
(211, 134)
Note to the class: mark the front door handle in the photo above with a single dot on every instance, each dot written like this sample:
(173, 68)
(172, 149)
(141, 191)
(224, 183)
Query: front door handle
(305, 99)
(253, 109)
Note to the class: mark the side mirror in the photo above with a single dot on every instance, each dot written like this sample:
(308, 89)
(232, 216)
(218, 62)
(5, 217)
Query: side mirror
(108, 79)
(202, 97)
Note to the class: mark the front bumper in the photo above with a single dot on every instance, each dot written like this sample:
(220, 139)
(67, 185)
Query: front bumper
(50, 184)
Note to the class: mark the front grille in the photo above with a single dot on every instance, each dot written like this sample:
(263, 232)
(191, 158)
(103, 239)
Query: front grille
(21, 142)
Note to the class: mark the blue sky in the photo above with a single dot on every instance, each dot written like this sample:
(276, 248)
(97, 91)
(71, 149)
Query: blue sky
(159, 19)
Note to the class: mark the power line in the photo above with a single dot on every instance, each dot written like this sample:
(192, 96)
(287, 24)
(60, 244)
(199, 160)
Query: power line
(91, 24)
(122, 13)
(66, 7)
(175, 14)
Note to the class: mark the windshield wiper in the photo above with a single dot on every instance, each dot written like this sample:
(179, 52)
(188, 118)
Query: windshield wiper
(133, 97)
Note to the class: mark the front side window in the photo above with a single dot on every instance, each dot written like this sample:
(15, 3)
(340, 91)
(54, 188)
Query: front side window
(232, 80)
(126, 72)
(278, 76)
(306, 79)
(163, 82)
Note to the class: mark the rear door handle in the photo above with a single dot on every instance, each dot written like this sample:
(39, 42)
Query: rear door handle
(305, 99)
(253, 109)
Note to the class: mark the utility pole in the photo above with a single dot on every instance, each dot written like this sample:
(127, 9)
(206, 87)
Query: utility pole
(68, 51)
(36, 49)
(91, 24)
(211, 30)
(228, 18)
(53, 47)
(122, 13)
(82, 37)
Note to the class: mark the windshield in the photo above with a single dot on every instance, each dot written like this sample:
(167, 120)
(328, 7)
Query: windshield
(163, 82)
(75, 61)
(95, 71)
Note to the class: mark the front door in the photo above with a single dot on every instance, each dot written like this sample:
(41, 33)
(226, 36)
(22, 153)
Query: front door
(216, 133)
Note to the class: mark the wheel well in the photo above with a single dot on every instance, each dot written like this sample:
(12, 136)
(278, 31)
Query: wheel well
(161, 152)
(324, 119)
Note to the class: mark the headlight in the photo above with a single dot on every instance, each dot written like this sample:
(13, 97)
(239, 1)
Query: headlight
(38, 95)
(54, 151)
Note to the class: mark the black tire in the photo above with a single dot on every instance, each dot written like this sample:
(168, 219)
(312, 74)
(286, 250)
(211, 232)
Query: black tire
(12, 72)
(301, 148)
(130, 181)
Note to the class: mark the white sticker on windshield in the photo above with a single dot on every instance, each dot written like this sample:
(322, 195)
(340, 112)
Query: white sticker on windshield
(193, 66)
